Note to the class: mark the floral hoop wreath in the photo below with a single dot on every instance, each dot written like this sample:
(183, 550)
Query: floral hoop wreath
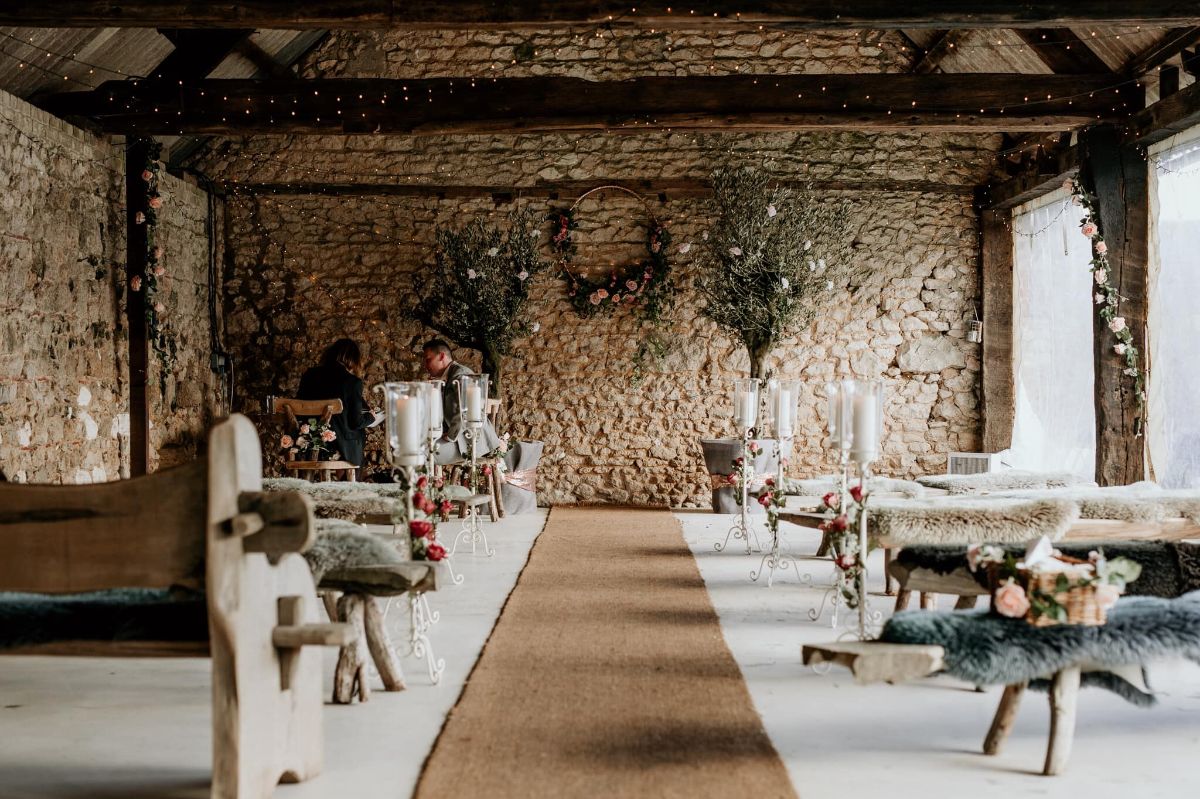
(645, 285)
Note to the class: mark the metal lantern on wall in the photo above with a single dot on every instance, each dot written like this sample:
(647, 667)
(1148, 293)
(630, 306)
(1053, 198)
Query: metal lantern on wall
(407, 416)
(975, 329)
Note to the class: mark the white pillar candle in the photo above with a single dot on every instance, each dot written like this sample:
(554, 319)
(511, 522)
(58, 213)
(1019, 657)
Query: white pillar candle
(783, 411)
(474, 403)
(865, 426)
(434, 400)
(749, 409)
(408, 425)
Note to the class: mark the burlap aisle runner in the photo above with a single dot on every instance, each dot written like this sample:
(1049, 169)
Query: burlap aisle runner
(606, 676)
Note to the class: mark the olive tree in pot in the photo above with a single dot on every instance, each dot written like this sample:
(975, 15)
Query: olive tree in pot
(771, 257)
(478, 288)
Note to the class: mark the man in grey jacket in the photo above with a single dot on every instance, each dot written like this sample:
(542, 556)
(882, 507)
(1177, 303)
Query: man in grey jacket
(453, 446)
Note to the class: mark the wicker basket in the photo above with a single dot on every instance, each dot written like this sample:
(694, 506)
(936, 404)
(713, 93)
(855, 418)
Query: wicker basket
(1080, 600)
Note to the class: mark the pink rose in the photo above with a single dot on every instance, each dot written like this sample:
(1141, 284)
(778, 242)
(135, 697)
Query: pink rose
(753, 447)
(602, 293)
(286, 442)
(305, 429)
(159, 271)
(1010, 600)
(302, 442)
(1099, 298)
(631, 285)
(1089, 229)
(147, 175)
(1101, 248)
(831, 500)
(594, 299)
(616, 298)
(328, 435)
(135, 283)
(155, 202)
(1107, 595)
(1101, 276)
(1119, 349)
(522, 275)
(1117, 324)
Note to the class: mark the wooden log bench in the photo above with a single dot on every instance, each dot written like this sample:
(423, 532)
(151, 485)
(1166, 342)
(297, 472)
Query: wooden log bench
(205, 529)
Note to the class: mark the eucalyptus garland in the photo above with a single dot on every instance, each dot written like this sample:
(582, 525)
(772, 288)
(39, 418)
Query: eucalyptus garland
(644, 286)
(158, 328)
(1108, 298)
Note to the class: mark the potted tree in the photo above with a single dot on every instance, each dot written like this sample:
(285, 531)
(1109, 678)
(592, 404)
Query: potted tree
(477, 291)
(771, 257)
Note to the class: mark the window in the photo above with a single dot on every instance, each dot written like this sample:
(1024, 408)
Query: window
(1054, 428)
(1174, 313)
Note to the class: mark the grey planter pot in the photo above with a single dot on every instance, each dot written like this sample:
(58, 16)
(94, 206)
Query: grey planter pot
(523, 456)
(719, 454)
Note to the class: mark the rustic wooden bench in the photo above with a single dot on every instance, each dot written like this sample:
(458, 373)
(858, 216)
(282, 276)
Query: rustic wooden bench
(208, 527)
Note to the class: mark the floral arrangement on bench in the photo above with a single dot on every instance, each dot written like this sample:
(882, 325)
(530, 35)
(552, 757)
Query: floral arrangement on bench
(1047, 588)
(310, 441)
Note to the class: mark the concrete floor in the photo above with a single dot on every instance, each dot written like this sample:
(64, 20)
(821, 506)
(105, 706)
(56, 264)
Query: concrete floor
(924, 739)
(125, 729)
(135, 729)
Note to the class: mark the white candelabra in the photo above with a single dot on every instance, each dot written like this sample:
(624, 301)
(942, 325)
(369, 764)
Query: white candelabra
(782, 398)
(855, 423)
(745, 414)
(472, 398)
(407, 416)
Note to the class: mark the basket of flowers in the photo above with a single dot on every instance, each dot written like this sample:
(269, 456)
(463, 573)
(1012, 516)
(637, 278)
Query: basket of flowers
(1047, 588)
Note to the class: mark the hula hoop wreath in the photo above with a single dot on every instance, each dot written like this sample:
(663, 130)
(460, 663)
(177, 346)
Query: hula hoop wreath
(645, 286)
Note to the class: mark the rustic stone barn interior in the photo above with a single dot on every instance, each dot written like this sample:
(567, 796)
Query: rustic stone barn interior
(519, 399)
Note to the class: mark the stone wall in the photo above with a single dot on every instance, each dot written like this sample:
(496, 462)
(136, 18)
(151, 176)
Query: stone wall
(348, 260)
(64, 383)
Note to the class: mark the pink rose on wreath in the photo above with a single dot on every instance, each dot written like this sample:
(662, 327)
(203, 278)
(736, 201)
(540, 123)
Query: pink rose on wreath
(602, 293)
(1117, 324)
(831, 500)
(856, 493)
(616, 298)
(305, 429)
(1089, 229)
(159, 271)
(1011, 600)
(445, 507)
(487, 471)
(328, 435)
(135, 283)
(1101, 276)
(1107, 595)
(594, 299)
(765, 499)
(285, 442)
(147, 175)
(1101, 248)
(845, 562)
(435, 552)
(155, 202)
(631, 285)
(420, 528)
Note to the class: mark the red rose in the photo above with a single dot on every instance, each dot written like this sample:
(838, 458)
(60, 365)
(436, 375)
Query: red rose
(435, 552)
(845, 562)
(445, 508)
(733, 478)
(765, 499)
(420, 529)
(422, 481)
(429, 507)
(839, 523)
(831, 500)
(418, 499)
(487, 471)
(856, 493)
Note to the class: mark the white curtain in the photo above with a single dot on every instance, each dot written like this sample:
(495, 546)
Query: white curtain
(1055, 424)
(1174, 314)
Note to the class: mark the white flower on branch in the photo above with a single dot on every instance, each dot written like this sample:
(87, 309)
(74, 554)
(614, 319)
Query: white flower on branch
(537, 327)
(685, 247)
(1119, 349)
(807, 246)
(471, 274)
(735, 251)
(784, 282)
(771, 211)
(522, 275)
(1101, 276)
(493, 252)
(829, 285)
(1117, 324)
(1099, 298)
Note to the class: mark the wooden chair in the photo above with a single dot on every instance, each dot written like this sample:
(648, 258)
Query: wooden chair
(291, 409)
(202, 526)
(493, 499)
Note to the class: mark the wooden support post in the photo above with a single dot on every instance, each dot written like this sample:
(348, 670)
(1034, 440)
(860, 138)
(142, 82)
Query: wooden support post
(350, 675)
(1064, 696)
(1118, 176)
(380, 647)
(1006, 716)
(135, 306)
(996, 268)
(1168, 81)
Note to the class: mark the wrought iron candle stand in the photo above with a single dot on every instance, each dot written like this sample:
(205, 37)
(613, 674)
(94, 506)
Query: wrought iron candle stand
(775, 559)
(745, 413)
(472, 394)
(783, 396)
(433, 471)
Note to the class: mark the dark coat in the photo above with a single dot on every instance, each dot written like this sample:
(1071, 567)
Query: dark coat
(334, 382)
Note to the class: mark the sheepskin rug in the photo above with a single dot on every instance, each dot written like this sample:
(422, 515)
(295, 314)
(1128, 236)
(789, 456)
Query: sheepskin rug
(342, 545)
(820, 486)
(969, 521)
(985, 649)
(1001, 481)
(1142, 502)
(342, 500)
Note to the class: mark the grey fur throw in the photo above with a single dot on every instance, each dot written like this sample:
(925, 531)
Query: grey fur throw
(1009, 480)
(342, 545)
(969, 521)
(985, 649)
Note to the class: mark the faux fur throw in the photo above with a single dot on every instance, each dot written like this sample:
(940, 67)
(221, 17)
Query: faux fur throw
(1183, 502)
(121, 614)
(820, 486)
(1169, 569)
(341, 545)
(969, 521)
(985, 649)
(342, 500)
(1001, 481)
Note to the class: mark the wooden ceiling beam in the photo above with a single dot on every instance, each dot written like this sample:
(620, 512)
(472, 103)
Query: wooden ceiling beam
(1170, 45)
(1062, 51)
(943, 46)
(726, 102)
(1164, 119)
(807, 14)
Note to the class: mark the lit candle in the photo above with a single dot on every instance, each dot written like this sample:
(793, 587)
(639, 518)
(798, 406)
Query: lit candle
(434, 400)
(474, 403)
(747, 409)
(408, 425)
(783, 411)
(865, 425)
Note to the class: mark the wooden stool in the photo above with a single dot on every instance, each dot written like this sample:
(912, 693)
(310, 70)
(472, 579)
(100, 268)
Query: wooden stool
(322, 470)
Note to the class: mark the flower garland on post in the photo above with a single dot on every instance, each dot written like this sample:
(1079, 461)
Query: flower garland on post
(158, 328)
(644, 286)
(847, 560)
(1108, 298)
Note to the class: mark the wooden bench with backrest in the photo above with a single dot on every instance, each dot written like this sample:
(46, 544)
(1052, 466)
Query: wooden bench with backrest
(291, 410)
(206, 529)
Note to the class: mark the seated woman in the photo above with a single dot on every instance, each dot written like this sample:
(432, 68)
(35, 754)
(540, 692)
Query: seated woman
(338, 377)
